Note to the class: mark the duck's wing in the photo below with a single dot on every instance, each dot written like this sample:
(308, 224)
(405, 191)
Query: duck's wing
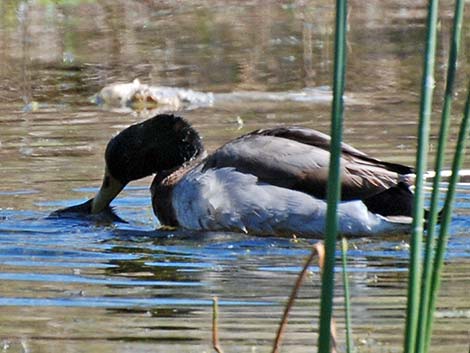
(318, 139)
(298, 158)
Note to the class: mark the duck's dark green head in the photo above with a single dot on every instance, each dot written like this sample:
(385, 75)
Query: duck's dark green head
(161, 143)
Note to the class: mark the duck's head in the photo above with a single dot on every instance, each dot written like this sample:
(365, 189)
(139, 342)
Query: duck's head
(159, 144)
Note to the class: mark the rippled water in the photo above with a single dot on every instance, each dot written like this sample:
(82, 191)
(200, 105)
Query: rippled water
(83, 287)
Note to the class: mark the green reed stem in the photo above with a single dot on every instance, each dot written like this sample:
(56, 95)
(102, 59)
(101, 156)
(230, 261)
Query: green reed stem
(433, 213)
(347, 303)
(414, 278)
(334, 188)
(446, 218)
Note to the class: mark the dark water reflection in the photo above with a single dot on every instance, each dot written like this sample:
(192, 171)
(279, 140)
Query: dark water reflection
(81, 287)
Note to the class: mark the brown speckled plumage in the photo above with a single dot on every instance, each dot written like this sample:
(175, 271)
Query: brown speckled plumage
(162, 192)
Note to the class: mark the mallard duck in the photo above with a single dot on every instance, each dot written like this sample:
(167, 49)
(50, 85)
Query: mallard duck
(270, 181)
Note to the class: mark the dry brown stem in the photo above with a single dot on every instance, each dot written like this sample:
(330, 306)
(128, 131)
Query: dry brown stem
(318, 249)
(215, 325)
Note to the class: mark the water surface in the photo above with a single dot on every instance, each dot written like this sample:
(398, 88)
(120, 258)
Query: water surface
(82, 287)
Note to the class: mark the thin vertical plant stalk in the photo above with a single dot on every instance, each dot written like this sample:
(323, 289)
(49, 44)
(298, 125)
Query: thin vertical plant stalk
(318, 249)
(414, 277)
(347, 303)
(334, 189)
(440, 156)
(215, 326)
(446, 218)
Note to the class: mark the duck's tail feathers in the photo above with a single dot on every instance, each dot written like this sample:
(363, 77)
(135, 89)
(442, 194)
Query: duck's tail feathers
(427, 214)
(395, 201)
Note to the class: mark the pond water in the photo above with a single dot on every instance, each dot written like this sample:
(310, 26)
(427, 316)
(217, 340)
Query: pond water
(72, 286)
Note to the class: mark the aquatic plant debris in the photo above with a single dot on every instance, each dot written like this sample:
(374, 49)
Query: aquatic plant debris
(139, 96)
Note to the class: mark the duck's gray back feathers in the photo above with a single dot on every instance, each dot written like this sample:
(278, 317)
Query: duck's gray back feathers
(227, 199)
(298, 159)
